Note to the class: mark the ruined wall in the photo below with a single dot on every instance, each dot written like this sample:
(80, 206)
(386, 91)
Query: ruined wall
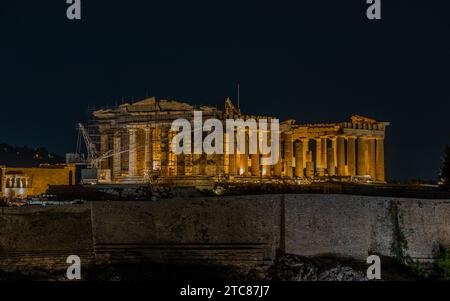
(357, 225)
(242, 230)
(44, 237)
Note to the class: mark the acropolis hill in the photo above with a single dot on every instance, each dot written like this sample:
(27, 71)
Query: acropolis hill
(137, 135)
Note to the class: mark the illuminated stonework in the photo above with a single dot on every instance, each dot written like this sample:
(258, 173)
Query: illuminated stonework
(137, 136)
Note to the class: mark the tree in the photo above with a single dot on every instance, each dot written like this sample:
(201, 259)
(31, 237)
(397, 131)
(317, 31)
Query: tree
(444, 176)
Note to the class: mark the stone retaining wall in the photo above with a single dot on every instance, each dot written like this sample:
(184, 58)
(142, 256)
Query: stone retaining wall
(243, 231)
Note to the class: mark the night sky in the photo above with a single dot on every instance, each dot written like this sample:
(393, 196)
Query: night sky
(315, 61)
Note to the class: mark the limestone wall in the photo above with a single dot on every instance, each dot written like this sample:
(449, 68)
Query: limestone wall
(356, 226)
(242, 230)
(44, 237)
(216, 229)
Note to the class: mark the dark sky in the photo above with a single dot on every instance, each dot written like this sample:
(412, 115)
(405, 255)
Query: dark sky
(315, 61)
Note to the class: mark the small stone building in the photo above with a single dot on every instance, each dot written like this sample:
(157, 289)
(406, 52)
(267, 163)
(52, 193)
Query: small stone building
(16, 182)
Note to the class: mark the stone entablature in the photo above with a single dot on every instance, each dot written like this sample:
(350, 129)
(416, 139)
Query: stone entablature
(138, 135)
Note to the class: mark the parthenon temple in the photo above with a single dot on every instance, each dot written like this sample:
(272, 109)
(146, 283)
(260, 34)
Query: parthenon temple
(137, 138)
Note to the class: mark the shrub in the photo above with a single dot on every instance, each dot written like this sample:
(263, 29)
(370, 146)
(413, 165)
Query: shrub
(443, 264)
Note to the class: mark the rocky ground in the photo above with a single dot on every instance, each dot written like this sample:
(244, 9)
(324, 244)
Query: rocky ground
(295, 268)
(329, 268)
(285, 268)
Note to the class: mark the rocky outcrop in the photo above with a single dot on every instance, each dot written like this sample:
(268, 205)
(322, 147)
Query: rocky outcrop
(290, 267)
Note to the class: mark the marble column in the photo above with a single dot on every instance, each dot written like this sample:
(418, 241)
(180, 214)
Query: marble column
(305, 150)
(266, 170)
(334, 147)
(243, 170)
(341, 156)
(330, 163)
(319, 169)
(256, 162)
(226, 154)
(164, 150)
(156, 149)
(288, 154)
(299, 160)
(361, 168)
(380, 160)
(104, 148)
(309, 165)
(148, 167)
(117, 156)
(132, 168)
(324, 157)
(277, 168)
(372, 158)
(196, 162)
(171, 167)
(203, 164)
(187, 164)
(187, 157)
(232, 157)
(256, 170)
(351, 155)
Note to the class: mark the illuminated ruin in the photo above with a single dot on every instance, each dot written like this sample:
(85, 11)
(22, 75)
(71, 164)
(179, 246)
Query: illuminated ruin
(135, 144)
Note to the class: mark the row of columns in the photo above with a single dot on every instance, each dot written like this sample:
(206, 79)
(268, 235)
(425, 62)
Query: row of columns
(347, 156)
(132, 151)
(363, 156)
(147, 149)
(17, 182)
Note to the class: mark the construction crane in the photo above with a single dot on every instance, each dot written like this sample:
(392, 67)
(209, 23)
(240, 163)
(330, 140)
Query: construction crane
(93, 157)
(92, 153)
